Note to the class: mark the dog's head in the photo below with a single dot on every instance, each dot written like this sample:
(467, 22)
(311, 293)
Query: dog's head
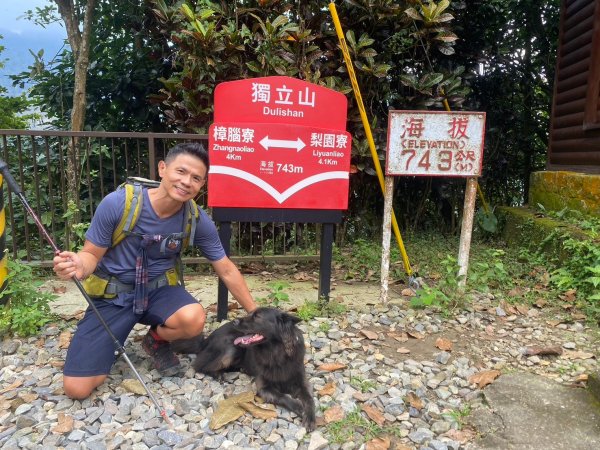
(267, 324)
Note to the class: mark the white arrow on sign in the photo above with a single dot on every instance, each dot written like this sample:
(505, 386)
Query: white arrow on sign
(282, 143)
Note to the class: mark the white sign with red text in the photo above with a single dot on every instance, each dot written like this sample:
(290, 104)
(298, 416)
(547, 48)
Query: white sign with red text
(435, 143)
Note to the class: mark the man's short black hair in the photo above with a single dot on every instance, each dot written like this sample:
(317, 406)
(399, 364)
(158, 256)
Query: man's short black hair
(189, 148)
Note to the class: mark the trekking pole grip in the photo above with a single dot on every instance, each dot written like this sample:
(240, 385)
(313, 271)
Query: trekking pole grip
(12, 184)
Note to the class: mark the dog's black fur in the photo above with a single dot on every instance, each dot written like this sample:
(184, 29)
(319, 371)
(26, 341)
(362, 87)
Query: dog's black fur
(265, 344)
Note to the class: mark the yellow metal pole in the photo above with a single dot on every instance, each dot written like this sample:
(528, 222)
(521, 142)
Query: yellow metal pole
(363, 115)
(481, 197)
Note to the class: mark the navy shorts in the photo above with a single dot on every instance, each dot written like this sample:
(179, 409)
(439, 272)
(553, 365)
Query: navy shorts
(92, 350)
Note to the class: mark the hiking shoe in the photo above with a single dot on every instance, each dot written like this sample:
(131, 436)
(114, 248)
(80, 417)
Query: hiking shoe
(164, 360)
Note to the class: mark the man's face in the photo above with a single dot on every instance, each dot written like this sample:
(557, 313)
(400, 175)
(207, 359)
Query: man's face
(183, 177)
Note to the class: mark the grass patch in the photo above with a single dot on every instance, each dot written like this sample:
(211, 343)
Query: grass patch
(458, 416)
(356, 427)
(324, 327)
(362, 385)
(310, 309)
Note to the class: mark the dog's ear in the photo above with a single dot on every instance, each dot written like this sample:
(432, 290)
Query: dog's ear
(290, 318)
(288, 333)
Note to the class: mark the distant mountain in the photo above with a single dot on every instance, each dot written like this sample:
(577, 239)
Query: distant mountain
(16, 51)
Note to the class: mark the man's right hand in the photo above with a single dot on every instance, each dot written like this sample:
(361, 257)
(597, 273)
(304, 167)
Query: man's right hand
(67, 265)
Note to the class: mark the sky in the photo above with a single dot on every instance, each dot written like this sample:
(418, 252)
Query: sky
(20, 35)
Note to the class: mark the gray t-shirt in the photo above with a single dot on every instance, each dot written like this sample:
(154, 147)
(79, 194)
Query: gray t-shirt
(119, 261)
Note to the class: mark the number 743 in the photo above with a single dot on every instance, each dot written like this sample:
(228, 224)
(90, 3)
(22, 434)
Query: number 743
(444, 160)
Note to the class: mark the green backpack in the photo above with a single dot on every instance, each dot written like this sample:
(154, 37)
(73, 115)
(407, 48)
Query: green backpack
(133, 206)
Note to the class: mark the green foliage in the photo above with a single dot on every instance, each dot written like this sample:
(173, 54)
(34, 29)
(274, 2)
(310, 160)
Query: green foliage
(401, 60)
(578, 266)
(486, 273)
(308, 310)
(277, 295)
(514, 274)
(587, 223)
(41, 163)
(458, 416)
(427, 296)
(27, 309)
(324, 327)
(581, 272)
(126, 60)
(486, 221)
(511, 69)
(322, 308)
(362, 260)
(362, 385)
(79, 229)
(489, 272)
(13, 110)
(441, 295)
(356, 427)
(156, 61)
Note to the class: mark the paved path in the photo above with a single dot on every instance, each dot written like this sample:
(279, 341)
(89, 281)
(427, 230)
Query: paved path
(530, 412)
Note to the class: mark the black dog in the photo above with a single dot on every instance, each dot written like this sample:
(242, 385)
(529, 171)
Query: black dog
(267, 345)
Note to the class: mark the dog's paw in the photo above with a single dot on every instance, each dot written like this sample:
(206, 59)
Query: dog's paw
(309, 423)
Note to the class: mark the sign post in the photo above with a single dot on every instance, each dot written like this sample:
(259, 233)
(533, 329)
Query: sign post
(279, 151)
(444, 144)
(387, 237)
(466, 230)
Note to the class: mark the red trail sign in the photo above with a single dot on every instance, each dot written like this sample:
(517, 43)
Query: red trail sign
(279, 142)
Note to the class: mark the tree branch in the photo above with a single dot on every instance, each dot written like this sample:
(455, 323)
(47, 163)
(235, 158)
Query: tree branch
(66, 8)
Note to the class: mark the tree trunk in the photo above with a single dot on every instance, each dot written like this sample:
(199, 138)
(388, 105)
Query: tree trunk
(79, 38)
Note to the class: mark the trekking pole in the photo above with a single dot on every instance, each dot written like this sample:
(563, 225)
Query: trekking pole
(119, 350)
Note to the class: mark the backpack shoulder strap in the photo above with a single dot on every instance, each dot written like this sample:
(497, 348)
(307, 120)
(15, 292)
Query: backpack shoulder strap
(133, 206)
(190, 215)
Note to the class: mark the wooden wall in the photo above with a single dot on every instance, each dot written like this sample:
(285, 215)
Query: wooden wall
(575, 123)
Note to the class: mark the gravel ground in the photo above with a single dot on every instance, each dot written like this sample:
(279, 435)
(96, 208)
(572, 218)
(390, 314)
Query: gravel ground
(407, 376)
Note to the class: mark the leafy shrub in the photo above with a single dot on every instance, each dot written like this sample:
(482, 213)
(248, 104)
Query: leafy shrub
(443, 293)
(277, 296)
(309, 310)
(581, 272)
(486, 273)
(578, 268)
(27, 309)
(486, 221)
(490, 272)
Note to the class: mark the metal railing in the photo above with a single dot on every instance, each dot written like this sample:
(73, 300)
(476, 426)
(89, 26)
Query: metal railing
(37, 160)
